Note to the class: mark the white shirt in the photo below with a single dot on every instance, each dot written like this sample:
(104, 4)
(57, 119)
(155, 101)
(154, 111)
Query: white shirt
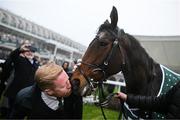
(51, 101)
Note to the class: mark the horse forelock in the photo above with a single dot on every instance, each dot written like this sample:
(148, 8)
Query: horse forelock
(107, 26)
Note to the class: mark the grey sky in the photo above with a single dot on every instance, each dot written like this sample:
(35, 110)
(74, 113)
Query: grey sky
(79, 19)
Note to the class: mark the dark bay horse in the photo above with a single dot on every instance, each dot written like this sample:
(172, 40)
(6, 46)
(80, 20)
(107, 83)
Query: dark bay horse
(112, 50)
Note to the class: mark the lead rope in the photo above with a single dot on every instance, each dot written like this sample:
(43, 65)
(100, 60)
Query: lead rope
(105, 103)
(121, 110)
(102, 93)
(108, 98)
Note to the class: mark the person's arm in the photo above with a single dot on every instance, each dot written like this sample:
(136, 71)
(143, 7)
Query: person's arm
(17, 52)
(154, 103)
(150, 103)
(23, 104)
(19, 112)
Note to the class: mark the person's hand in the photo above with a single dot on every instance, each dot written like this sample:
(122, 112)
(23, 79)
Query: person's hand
(121, 96)
(24, 47)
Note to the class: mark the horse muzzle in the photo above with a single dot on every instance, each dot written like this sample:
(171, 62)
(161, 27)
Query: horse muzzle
(75, 86)
(84, 90)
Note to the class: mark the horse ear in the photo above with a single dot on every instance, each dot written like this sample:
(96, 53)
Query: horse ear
(114, 17)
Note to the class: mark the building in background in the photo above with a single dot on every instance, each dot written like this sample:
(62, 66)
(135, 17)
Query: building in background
(51, 45)
(163, 49)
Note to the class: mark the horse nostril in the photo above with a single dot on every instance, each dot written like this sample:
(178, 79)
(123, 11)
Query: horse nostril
(75, 85)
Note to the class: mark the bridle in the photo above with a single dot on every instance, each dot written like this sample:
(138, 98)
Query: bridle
(103, 67)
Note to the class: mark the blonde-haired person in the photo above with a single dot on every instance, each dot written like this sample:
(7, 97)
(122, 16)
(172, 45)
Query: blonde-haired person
(50, 98)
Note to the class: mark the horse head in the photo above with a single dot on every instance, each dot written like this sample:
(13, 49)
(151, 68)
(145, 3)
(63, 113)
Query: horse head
(100, 58)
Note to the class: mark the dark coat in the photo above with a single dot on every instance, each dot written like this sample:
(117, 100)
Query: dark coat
(29, 103)
(168, 103)
(24, 73)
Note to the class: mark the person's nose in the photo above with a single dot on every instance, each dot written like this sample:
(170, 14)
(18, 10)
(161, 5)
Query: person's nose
(68, 84)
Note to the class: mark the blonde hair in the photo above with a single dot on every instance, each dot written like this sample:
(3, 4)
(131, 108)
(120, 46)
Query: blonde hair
(46, 74)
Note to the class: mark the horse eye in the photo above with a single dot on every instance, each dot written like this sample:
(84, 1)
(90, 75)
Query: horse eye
(103, 43)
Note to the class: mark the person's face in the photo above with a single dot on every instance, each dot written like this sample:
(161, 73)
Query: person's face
(29, 54)
(62, 86)
(65, 65)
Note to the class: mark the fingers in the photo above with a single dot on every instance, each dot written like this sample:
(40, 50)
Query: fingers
(24, 47)
(121, 96)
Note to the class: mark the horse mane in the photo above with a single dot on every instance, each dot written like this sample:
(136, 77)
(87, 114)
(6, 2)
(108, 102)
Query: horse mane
(140, 59)
(138, 52)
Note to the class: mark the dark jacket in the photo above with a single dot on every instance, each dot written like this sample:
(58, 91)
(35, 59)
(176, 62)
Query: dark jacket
(23, 73)
(29, 103)
(168, 103)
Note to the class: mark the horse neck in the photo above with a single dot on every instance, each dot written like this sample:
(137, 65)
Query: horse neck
(142, 78)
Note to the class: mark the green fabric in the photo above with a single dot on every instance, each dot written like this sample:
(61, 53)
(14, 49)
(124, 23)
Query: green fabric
(170, 79)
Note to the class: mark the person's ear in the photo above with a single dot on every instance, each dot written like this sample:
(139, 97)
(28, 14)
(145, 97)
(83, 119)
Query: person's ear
(49, 92)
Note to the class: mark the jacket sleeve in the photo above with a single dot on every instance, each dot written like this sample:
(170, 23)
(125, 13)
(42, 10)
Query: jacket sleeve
(19, 112)
(150, 103)
(153, 103)
(14, 54)
(23, 104)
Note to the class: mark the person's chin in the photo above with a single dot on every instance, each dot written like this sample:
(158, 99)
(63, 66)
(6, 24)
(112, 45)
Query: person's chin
(29, 57)
(68, 93)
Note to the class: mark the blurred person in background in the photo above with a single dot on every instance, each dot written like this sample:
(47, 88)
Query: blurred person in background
(65, 66)
(24, 65)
